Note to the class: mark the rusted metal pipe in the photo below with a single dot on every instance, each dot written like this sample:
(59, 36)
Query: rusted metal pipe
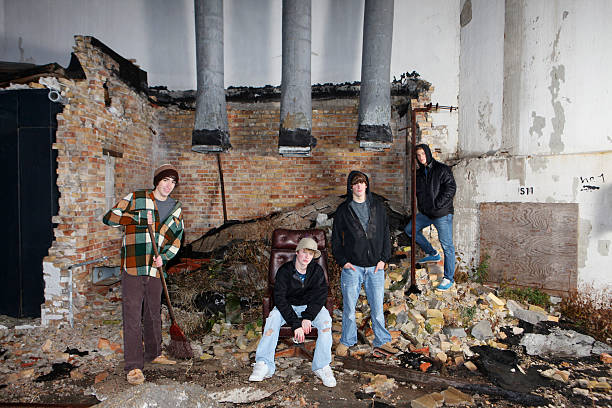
(222, 183)
(427, 108)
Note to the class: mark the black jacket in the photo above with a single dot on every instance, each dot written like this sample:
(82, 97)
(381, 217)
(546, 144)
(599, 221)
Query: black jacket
(289, 290)
(350, 243)
(435, 187)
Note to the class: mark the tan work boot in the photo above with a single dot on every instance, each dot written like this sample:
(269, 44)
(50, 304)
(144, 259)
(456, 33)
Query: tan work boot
(135, 377)
(341, 350)
(161, 359)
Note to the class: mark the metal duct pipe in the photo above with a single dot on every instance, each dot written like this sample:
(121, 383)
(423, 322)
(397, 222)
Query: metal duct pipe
(56, 96)
(210, 133)
(374, 132)
(295, 138)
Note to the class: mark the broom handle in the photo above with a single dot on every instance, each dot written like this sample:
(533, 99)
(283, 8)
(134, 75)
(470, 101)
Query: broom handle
(161, 274)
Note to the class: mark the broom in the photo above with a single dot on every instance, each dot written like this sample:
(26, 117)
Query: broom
(179, 346)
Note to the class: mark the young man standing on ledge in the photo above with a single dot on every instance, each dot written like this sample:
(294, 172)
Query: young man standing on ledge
(361, 244)
(140, 280)
(435, 189)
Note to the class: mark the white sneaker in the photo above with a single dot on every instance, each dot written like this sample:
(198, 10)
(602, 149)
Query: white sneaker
(445, 285)
(260, 372)
(326, 375)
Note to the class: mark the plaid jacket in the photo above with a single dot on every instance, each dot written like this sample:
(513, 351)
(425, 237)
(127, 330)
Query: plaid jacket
(136, 249)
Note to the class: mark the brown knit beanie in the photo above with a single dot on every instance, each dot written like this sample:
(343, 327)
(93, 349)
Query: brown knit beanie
(163, 171)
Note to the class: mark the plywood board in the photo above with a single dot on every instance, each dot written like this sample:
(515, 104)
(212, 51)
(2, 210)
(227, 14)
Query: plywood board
(531, 244)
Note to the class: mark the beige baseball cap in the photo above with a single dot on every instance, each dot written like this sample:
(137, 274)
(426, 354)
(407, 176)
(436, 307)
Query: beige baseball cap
(308, 243)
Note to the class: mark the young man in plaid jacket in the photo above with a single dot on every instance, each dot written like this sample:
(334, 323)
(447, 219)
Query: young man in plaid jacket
(140, 281)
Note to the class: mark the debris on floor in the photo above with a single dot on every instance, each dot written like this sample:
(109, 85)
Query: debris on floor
(469, 333)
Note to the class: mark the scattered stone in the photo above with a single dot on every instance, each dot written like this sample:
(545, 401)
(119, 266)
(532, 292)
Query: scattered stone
(538, 309)
(46, 348)
(218, 350)
(555, 374)
(244, 395)
(495, 301)
(583, 383)
(528, 316)
(382, 386)
(453, 396)
(470, 366)
(458, 332)
(100, 377)
(435, 313)
(441, 357)
(601, 386)
(77, 374)
(438, 397)
(559, 344)
(517, 330)
(482, 330)
(580, 391)
(552, 318)
(425, 401)
(104, 344)
(605, 358)
(173, 395)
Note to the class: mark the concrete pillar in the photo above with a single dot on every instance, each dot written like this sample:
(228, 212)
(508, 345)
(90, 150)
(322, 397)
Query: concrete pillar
(374, 130)
(210, 133)
(295, 136)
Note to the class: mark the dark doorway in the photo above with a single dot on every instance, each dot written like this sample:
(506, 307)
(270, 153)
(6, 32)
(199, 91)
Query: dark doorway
(30, 196)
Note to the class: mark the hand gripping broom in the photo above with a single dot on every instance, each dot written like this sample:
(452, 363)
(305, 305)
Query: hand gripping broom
(179, 346)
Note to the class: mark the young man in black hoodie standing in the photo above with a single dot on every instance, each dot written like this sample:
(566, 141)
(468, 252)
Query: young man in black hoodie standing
(361, 244)
(435, 189)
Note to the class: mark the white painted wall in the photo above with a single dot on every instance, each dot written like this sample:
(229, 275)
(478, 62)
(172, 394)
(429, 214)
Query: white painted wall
(481, 78)
(547, 111)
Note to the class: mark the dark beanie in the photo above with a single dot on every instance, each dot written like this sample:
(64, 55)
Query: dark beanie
(163, 171)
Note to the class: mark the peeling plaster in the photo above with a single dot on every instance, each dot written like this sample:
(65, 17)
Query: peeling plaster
(603, 247)
(538, 163)
(537, 125)
(584, 231)
(466, 13)
(550, 200)
(557, 74)
(516, 169)
(575, 187)
(485, 109)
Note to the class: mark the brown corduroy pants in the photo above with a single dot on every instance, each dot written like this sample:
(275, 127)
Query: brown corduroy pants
(141, 319)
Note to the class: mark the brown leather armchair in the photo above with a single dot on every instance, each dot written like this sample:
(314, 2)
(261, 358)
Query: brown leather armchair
(284, 242)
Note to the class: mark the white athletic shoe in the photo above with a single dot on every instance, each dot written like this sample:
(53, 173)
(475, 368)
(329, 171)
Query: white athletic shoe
(260, 372)
(326, 375)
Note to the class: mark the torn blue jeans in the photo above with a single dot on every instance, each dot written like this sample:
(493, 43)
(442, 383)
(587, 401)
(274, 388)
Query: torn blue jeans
(269, 338)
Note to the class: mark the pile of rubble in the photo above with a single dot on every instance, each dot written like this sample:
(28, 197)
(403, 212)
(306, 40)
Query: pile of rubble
(440, 335)
(465, 346)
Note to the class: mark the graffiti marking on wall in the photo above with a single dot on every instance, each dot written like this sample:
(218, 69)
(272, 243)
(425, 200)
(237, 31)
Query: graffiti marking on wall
(590, 183)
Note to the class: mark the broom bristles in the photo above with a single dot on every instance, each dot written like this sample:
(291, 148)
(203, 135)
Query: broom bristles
(180, 349)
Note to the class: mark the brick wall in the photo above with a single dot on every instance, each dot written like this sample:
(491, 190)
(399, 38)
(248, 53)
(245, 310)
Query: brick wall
(104, 114)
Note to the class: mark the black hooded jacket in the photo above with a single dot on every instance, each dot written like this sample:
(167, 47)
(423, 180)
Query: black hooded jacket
(290, 290)
(350, 243)
(435, 187)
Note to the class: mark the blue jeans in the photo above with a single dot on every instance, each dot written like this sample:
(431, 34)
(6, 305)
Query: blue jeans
(374, 283)
(267, 345)
(444, 225)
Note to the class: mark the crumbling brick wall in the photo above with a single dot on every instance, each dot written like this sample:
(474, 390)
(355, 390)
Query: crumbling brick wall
(107, 116)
